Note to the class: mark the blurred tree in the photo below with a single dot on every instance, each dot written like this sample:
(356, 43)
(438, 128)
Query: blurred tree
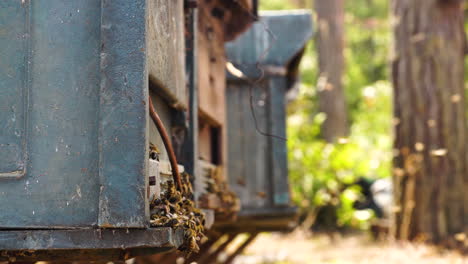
(330, 47)
(318, 170)
(430, 165)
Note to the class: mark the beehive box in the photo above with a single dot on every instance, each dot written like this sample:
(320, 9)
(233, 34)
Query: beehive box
(264, 63)
(75, 127)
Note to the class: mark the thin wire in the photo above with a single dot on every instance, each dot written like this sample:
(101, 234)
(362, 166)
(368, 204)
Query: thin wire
(256, 83)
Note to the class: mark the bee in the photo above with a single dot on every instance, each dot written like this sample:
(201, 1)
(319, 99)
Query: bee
(193, 245)
(187, 204)
(186, 184)
(175, 198)
(170, 189)
(190, 246)
(176, 209)
(173, 222)
(153, 152)
(155, 202)
(159, 221)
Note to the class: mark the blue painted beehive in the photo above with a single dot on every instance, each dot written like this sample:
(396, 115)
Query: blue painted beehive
(75, 127)
(264, 67)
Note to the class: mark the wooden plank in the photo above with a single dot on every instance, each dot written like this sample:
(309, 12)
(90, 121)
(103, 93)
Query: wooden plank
(247, 54)
(262, 192)
(14, 83)
(241, 248)
(166, 49)
(277, 124)
(256, 145)
(61, 185)
(87, 244)
(236, 165)
(213, 256)
(248, 148)
(192, 80)
(88, 239)
(204, 140)
(212, 61)
(124, 118)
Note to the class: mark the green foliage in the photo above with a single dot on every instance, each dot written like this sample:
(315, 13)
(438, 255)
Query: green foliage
(275, 5)
(366, 53)
(319, 171)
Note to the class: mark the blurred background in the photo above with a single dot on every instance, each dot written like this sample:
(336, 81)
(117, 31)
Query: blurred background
(345, 128)
(327, 158)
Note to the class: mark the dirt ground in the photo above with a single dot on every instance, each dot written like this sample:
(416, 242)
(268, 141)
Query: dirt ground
(297, 248)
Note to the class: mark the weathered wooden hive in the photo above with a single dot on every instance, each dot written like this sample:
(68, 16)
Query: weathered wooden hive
(264, 67)
(263, 60)
(76, 78)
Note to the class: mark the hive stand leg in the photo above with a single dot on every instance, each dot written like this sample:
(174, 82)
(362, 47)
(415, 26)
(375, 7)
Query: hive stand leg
(169, 258)
(241, 248)
(204, 249)
(211, 258)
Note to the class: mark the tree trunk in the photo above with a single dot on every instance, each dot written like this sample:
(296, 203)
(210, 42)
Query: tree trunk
(330, 44)
(430, 171)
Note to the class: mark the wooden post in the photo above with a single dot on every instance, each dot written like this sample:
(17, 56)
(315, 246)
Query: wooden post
(241, 248)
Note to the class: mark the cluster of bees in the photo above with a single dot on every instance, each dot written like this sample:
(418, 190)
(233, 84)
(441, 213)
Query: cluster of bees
(177, 210)
(230, 204)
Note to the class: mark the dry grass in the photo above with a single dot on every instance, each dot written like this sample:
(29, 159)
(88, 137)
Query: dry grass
(298, 248)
